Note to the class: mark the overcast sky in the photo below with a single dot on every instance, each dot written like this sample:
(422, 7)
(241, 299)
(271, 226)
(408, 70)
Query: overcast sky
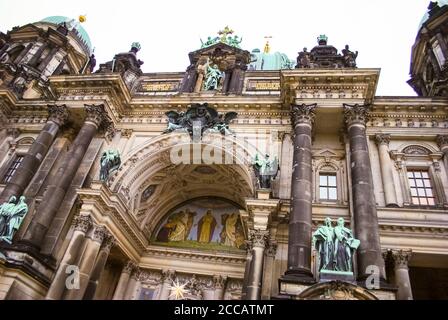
(383, 31)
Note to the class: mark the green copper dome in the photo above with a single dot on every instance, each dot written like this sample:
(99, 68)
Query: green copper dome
(269, 61)
(82, 33)
(425, 18)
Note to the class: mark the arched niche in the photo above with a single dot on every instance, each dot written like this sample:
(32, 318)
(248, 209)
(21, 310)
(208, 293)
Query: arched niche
(336, 290)
(209, 223)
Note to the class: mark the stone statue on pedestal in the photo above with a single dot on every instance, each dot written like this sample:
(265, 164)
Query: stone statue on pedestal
(12, 216)
(265, 170)
(110, 161)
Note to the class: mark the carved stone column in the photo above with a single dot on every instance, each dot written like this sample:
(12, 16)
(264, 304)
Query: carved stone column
(133, 285)
(269, 258)
(390, 195)
(236, 80)
(82, 224)
(258, 239)
(300, 219)
(219, 283)
(100, 263)
(402, 281)
(54, 195)
(189, 80)
(364, 205)
(442, 141)
(35, 155)
(93, 244)
(128, 268)
(168, 278)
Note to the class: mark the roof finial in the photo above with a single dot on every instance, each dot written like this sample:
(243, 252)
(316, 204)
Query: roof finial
(82, 18)
(267, 47)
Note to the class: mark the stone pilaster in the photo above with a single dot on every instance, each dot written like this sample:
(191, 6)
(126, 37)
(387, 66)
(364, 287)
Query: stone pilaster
(247, 270)
(92, 247)
(96, 116)
(100, 263)
(58, 115)
(168, 278)
(269, 258)
(258, 239)
(364, 205)
(82, 224)
(134, 284)
(390, 195)
(300, 219)
(401, 259)
(442, 141)
(128, 269)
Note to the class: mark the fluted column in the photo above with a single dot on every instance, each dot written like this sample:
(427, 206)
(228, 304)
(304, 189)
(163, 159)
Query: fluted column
(258, 239)
(390, 195)
(54, 195)
(364, 205)
(300, 218)
(168, 278)
(128, 268)
(402, 281)
(442, 141)
(82, 224)
(219, 283)
(100, 263)
(58, 115)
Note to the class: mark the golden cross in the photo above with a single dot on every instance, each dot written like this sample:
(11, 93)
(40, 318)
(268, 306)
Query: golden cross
(267, 47)
(225, 32)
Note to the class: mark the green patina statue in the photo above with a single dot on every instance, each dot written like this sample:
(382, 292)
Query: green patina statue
(265, 170)
(335, 246)
(110, 161)
(11, 217)
(224, 37)
(212, 78)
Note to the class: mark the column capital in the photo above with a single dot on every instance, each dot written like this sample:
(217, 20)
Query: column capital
(382, 139)
(219, 281)
(97, 115)
(271, 248)
(304, 113)
(108, 242)
(82, 222)
(168, 275)
(401, 258)
(58, 114)
(442, 141)
(99, 234)
(129, 267)
(259, 238)
(356, 114)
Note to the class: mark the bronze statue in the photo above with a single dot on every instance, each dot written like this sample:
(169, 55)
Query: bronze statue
(265, 170)
(110, 161)
(323, 241)
(343, 245)
(349, 57)
(12, 217)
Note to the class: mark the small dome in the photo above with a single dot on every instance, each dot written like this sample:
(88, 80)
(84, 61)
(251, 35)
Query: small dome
(425, 18)
(82, 33)
(269, 61)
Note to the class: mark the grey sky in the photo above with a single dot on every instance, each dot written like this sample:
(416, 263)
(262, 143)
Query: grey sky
(383, 31)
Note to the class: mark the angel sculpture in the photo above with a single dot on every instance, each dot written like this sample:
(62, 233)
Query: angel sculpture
(265, 170)
(223, 125)
(175, 121)
(110, 161)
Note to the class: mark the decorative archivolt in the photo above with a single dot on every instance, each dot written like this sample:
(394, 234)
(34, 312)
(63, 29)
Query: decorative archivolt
(417, 149)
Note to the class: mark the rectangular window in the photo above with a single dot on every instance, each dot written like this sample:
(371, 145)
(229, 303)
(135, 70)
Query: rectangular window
(12, 169)
(438, 53)
(327, 186)
(421, 189)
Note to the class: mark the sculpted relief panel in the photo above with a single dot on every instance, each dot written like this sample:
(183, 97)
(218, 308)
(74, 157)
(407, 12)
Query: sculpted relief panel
(209, 223)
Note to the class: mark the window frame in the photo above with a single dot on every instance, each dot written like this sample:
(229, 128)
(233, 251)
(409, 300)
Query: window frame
(327, 174)
(416, 187)
(7, 167)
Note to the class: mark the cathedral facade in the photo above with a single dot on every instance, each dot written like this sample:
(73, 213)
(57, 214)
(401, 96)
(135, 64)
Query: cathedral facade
(248, 176)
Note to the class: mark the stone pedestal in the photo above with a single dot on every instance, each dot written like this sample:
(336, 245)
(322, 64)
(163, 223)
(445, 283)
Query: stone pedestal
(330, 275)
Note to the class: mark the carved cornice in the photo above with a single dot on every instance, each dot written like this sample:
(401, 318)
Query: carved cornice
(58, 114)
(382, 139)
(304, 113)
(83, 222)
(401, 258)
(356, 114)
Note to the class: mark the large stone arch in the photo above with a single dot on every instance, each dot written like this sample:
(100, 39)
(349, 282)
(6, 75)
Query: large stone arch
(336, 290)
(151, 165)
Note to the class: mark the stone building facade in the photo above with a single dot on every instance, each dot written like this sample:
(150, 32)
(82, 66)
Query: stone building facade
(182, 213)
